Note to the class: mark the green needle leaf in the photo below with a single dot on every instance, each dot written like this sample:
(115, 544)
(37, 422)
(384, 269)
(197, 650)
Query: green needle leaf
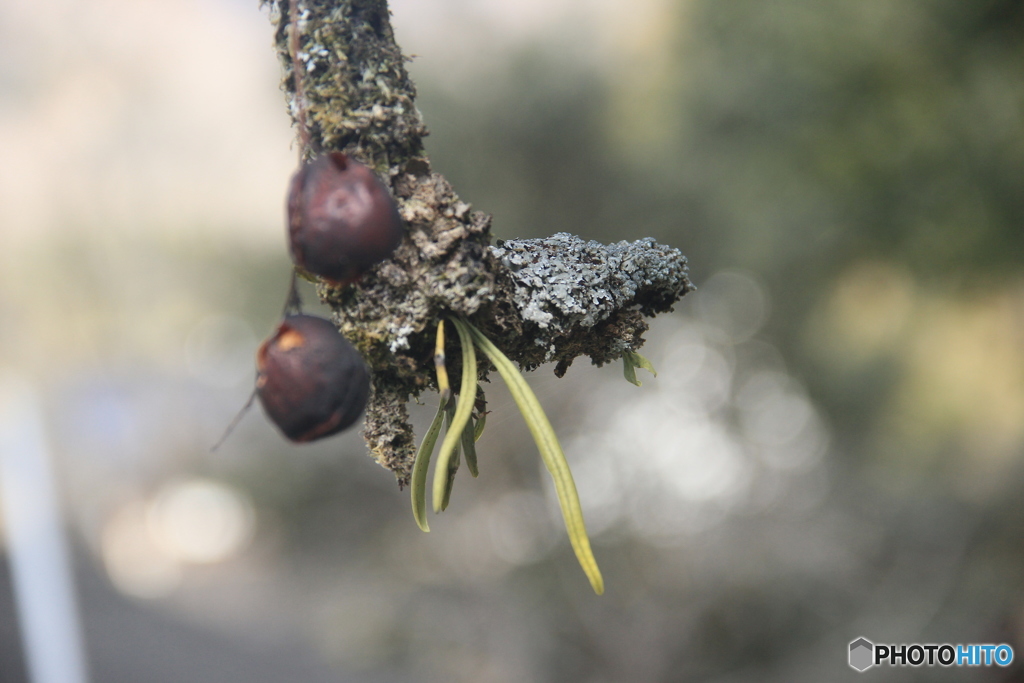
(629, 370)
(550, 451)
(478, 429)
(453, 464)
(467, 395)
(469, 447)
(631, 360)
(480, 409)
(418, 484)
(439, 364)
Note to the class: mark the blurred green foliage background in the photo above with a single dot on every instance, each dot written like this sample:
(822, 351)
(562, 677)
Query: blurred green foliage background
(832, 448)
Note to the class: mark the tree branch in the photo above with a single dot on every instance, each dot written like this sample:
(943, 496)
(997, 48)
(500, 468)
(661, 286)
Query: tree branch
(538, 300)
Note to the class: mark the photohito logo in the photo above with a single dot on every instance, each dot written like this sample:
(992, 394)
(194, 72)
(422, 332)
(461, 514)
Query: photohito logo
(864, 654)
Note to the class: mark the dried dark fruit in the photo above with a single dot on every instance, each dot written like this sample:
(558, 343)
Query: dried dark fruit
(311, 381)
(341, 218)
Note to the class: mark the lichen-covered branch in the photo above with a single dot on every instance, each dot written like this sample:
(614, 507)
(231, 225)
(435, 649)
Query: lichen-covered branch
(538, 300)
(575, 298)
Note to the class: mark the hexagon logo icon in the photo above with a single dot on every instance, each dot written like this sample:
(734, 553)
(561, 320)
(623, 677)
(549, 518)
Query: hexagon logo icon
(862, 653)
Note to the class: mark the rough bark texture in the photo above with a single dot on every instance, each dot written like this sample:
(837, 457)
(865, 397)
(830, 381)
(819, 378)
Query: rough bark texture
(538, 300)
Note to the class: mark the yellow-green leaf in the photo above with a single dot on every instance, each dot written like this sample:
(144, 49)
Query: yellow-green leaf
(550, 451)
(463, 411)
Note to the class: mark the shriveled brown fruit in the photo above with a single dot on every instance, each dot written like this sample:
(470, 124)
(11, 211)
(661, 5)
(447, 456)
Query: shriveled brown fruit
(341, 218)
(310, 380)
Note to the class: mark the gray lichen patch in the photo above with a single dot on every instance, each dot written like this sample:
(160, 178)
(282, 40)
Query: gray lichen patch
(563, 297)
(549, 300)
(563, 281)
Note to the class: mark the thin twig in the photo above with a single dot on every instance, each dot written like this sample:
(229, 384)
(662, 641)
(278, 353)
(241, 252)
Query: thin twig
(234, 421)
